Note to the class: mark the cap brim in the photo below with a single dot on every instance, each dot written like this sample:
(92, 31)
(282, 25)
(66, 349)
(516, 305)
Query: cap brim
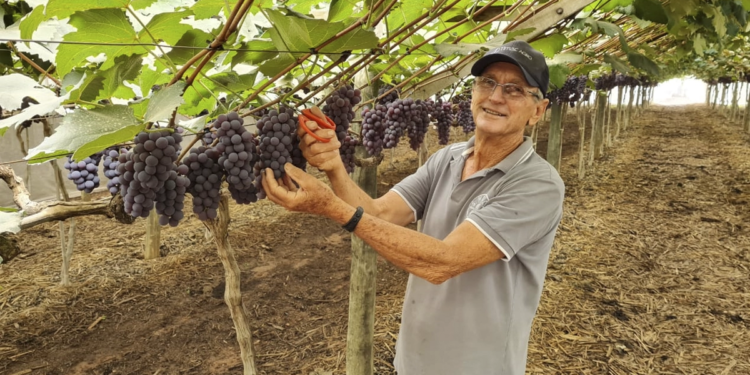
(484, 62)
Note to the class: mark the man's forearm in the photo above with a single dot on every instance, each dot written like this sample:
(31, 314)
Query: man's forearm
(346, 189)
(414, 252)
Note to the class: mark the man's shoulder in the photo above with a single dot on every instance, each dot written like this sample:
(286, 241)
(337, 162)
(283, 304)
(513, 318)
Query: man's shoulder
(447, 153)
(537, 170)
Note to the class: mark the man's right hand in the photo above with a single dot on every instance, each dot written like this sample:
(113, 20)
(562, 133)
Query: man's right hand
(322, 155)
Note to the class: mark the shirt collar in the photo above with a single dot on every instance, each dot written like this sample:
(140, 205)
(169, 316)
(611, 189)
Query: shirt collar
(519, 155)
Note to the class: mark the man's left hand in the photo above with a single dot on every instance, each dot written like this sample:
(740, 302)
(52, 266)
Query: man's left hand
(312, 196)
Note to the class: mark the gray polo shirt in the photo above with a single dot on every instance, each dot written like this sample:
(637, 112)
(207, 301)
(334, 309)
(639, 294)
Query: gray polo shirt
(478, 323)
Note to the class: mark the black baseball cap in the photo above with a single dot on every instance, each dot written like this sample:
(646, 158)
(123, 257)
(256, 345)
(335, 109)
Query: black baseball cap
(522, 54)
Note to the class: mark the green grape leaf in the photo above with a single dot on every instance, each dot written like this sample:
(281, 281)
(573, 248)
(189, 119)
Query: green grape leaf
(194, 125)
(558, 74)
(8, 209)
(139, 107)
(10, 222)
(448, 49)
(617, 64)
(405, 12)
(192, 38)
(31, 22)
(302, 6)
(197, 98)
(550, 45)
(520, 32)
(125, 134)
(126, 69)
(84, 128)
(609, 29)
(585, 69)
(720, 24)
(650, 10)
(149, 77)
(699, 44)
(231, 81)
(64, 8)
(90, 87)
(141, 4)
(606, 5)
(566, 58)
(166, 27)
(6, 58)
(164, 102)
(746, 5)
(207, 8)
(97, 26)
(300, 35)
(341, 10)
(644, 63)
(255, 55)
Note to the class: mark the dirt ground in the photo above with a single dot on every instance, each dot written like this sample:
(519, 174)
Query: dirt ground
(649, 275)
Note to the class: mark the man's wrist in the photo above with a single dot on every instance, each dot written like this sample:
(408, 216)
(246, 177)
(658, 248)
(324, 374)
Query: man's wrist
(340, 211)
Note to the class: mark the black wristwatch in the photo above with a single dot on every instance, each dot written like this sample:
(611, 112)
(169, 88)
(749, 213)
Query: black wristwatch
(349, 226)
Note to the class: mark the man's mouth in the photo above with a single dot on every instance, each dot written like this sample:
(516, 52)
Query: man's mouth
(493, 112)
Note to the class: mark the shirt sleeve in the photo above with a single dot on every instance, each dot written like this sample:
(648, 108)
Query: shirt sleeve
(521, 213)
(415, 189)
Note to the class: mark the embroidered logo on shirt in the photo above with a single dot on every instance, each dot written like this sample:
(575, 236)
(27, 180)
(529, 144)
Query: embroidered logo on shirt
(477, 203)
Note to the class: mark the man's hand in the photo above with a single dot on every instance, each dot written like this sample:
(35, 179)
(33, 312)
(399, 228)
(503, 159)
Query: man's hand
(312, 196)
(324, 156)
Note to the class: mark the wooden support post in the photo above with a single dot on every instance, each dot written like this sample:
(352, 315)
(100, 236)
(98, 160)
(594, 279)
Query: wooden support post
(629, 111)
(152, 239)
(618, 117)
(608, 127)
(67, 250)
(735, 99)
(219, 227)
(362, 282)
(554, 140)
(581, 117)
(746, 120)
(708, 95)
(599, 124)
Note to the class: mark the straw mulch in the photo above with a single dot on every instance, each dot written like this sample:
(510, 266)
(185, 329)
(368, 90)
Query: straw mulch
(649, 275)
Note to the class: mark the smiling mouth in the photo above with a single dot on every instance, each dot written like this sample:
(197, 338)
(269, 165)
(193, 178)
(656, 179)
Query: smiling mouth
(491, 112)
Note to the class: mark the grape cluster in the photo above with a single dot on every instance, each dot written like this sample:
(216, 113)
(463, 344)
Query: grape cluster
(464, 116)
(110, 163)
(84, 173)
(202, 168)
(414, 117)
(442, 114)
(277, 144)
(208, 137)
(238, 156)
(170, 199)
(390, 97)
(338, 108)
(149, 163)
(373, 128)
(605, 82)
(573, 90)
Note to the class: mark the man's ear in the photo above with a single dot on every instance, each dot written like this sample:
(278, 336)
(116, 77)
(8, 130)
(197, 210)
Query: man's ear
(539, 111)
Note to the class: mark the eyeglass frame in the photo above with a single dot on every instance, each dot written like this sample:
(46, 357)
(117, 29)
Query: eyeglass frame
(537, 95)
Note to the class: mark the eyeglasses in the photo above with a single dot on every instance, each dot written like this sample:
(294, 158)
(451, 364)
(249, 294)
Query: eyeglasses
(510, 90)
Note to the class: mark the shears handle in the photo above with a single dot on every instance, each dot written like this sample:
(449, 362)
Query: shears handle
(323, 121)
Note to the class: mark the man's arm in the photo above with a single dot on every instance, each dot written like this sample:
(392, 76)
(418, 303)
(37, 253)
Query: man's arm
(326, 157)
(434, 260)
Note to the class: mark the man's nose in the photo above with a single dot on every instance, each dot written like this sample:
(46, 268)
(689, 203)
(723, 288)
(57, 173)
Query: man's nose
(497, 95)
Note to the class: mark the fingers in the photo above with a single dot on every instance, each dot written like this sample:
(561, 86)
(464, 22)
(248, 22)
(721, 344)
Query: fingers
(322, 133)
(289, 183)
(275, 192)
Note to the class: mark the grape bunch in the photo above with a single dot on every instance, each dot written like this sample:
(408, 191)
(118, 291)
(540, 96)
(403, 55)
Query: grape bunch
(338, 108)
(110, 165)
(150, 162)
(170, 199)
(208, 137)
(373, 129)
(413, 117)
(464, 116)
(238, 156)
(202, 168)
(390, 97)
(84, 173)
(348, 146)
(442, 114)
(573, 90)
(277, 132)
(395, 123)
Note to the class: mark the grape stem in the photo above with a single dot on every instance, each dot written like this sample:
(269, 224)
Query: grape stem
(186, 150)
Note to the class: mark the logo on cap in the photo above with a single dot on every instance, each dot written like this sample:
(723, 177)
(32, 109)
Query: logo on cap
(522, 52)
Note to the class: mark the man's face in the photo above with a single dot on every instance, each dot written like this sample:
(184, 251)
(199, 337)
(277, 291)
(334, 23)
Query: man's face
(498, 114)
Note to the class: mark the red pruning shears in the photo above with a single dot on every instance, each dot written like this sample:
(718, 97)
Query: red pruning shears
(314, 114)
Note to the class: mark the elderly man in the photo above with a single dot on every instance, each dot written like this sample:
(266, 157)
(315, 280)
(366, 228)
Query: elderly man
(490, 208)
